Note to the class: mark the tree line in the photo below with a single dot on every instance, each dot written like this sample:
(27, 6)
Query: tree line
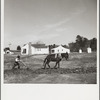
(83, 43)
(8, 48)
(80, 43)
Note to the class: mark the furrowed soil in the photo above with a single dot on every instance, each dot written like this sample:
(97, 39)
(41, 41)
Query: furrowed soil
(78, 69)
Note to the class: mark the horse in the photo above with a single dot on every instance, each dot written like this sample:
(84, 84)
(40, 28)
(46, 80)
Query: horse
(51, 57)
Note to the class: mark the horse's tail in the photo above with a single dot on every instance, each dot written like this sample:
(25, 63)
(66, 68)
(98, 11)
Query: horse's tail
(44, 61)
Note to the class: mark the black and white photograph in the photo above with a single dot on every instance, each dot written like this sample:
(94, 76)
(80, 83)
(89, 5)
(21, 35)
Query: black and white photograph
(49, 50)
(50, 42)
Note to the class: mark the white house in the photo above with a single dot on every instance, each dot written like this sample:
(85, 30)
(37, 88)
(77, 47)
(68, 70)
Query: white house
(12, 52)
(60, 49)
(30, 49)
(8, 52)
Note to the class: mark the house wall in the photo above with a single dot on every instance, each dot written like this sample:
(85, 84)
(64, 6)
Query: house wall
(27, 49)
(9, 52)
(61, 50)
(41, 51)
(13, 52)
(34, 50)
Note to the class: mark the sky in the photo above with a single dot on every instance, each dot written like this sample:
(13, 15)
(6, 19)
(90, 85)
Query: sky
(49, 21)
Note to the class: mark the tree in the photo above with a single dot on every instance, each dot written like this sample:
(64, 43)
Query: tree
(73, 47)
(18, 48)
(93, 44)
(7, 48)
(83, 43)
(79, 40)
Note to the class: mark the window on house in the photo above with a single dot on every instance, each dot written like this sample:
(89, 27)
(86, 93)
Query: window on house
(24, 50)
(52, 51)
(37, 49)
(58, 50)
(62, 49)
(7, 52)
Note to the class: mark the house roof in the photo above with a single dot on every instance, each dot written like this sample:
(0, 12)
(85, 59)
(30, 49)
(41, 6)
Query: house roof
(39, 45)
(65, 46)
(15, 50)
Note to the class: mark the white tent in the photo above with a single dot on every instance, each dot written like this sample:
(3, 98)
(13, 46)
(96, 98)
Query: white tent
(89, 50)
(80, 50)
(60, 49)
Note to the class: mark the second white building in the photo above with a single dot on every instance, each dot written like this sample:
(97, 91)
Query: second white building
(60, 49)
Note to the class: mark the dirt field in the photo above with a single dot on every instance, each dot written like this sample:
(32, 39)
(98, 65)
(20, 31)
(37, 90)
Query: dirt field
(79, 69)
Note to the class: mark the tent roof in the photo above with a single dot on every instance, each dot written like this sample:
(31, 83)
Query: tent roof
(59, 47)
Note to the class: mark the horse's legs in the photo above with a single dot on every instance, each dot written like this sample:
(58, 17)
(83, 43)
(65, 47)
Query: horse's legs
(55, 64)
(48, 64)
(58, 64)
(44, 65)
(66, 58)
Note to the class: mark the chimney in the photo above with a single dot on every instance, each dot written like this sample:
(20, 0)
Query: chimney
(29, 51)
